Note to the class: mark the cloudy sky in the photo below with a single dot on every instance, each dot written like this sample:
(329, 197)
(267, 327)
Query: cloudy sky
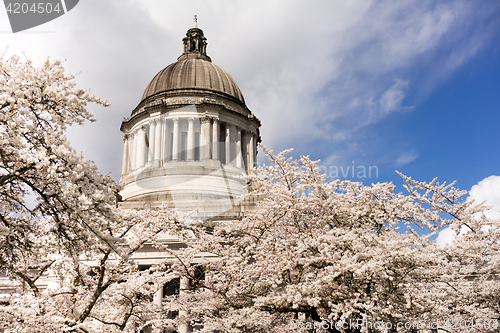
(408, 85)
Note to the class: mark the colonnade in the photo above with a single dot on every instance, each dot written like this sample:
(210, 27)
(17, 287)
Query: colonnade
(188, 139)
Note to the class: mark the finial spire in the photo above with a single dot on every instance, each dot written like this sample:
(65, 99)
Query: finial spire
(195, 44)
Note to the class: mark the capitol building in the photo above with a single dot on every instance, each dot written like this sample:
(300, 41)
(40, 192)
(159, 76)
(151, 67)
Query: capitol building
(191, 139)
(188, 144)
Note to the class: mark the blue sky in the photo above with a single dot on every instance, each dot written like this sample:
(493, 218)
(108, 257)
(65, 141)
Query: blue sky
(451, 134)
(408, 85)
(456, 128)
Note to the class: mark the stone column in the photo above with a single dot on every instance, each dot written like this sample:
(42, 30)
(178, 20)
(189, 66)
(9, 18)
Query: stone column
(164, 139)
(158, 140)
(254, 150)
(184, 284)
(244, 148)
(152, 132)
(141, 145)
(132, 150)
(158, 301)
(215, 139)
(238, 147)
(125, 160)
(228, 143)
(158, 297)
(205, 138)
(175, 144)
(250, 151)
(190, 140)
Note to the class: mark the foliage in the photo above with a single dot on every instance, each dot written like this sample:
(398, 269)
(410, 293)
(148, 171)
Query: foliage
(312, 252)
(342, 252)
(65, 250)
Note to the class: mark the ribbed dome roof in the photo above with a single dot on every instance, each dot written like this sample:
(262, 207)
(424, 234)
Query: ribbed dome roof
(193, 70)
(194, 73)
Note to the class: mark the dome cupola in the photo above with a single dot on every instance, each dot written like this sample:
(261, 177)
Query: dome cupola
(195, 44)
(193, 72)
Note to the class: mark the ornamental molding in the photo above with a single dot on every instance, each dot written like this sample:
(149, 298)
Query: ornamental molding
(205, 119)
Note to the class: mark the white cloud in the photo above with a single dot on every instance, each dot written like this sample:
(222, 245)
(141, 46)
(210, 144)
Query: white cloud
(392, 98)
(406, 158)
(445, 236)
(487, 191)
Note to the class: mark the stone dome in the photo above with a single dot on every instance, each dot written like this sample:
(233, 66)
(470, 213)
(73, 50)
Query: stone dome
(194, 72)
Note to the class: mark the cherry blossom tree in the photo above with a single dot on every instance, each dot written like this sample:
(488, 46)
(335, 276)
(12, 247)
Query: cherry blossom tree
(341, 256)
(58, 220)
